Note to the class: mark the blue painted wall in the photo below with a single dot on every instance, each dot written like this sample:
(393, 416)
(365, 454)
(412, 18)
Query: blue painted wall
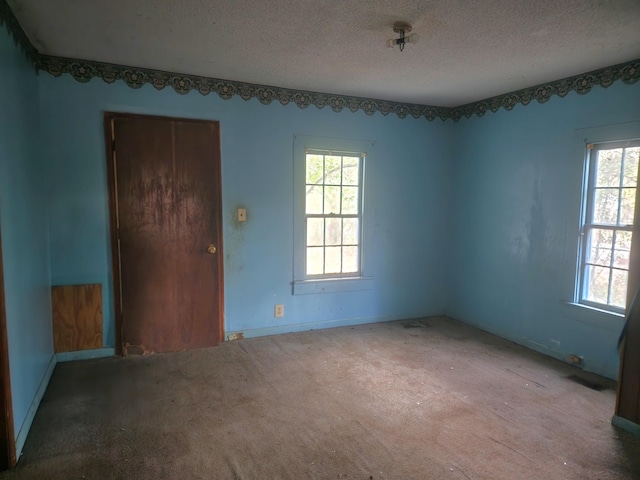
(478, 219)
(23, 222)
(514, 236)
(408, 178)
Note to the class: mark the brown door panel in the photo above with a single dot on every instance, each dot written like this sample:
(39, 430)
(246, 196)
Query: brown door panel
(167, 186)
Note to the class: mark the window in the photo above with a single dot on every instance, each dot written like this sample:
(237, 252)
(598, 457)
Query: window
(609, 211)
(333, 212)
(330, 214)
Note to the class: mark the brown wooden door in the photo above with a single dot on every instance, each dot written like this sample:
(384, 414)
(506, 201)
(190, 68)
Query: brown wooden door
(628, 400)
(166, 176)
(7, 437)
(628, 397)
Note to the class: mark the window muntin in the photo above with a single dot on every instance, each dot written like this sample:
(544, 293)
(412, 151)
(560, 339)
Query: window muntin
(333, 213)
(608, 223)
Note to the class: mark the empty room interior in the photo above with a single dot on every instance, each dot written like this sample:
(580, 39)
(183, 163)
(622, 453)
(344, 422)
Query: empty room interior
(320, 239)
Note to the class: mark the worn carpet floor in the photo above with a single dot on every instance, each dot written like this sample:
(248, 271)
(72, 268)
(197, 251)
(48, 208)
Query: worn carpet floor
(425, 399)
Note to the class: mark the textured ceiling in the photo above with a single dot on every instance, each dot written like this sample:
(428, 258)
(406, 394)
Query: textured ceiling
(469, 50)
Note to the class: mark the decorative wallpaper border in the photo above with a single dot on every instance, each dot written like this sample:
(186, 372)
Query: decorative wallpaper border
(9, 20)
(83, 71)
(627, 72)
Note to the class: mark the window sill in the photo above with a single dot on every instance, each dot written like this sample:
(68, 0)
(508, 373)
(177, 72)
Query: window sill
(332, 285)
(593, 316)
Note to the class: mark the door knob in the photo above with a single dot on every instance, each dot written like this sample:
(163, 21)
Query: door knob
(211, 249)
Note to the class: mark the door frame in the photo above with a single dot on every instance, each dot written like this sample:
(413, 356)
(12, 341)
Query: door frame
(628, 391)
(112, 182)
(7, 433)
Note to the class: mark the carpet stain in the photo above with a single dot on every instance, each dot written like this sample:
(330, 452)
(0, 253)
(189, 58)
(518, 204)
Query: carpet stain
(598, 387)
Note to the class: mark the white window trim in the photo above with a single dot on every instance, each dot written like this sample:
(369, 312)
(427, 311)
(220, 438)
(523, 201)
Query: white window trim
(302, 284)
(588, 224)
(621, 132)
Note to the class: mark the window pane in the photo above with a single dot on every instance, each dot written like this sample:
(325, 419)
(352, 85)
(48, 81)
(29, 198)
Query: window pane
(608, 168)
(350, 170)
(349, 200)
(605, 206)
(332, 170)
(315, 232)
(600, 245)
(619, 288)
(628, 206)
(332, 222)
(597, 283)
(631, 167)
(332, 263)
(350, 259)
(611, 201)
(314, 169)
(333, 233)
(331, 200)
(313, 202)
(350, 231)
(315, 260)
(623, 247)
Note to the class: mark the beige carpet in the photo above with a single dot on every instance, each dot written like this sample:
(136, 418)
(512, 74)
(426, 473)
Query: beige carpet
(428, 399)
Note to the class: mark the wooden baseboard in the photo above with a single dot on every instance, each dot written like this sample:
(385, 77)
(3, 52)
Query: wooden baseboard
(625, 424)
(26, 425)
(85, 354)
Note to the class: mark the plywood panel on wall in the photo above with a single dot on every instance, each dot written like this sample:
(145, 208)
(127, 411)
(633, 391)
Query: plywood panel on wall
(77, 317)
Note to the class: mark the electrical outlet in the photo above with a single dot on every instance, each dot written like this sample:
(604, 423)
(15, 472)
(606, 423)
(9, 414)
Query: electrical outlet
(236, 336)
(279, 311)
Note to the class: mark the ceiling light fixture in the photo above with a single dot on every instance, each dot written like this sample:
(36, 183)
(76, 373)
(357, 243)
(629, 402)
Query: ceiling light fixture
(402, 28)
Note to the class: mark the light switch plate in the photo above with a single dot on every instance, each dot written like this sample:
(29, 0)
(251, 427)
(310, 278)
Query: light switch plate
(242, 214)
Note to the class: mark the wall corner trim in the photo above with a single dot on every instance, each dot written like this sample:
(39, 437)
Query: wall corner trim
(28, 421)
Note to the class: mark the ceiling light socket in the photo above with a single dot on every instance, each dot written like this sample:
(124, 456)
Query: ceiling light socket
(400, 27)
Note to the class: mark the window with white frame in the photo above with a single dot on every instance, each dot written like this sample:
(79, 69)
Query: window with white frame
(333, 213)
(608, 218)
